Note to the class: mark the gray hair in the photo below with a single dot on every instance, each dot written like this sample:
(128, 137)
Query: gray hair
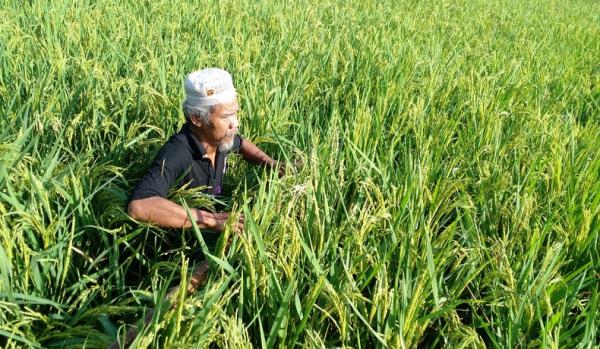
(203, 112)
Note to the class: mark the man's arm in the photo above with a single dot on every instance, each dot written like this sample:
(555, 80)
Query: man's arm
(167, 214)
(254, 155)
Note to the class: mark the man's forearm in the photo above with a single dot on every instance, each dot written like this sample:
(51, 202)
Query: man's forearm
(166, 214)
(254, 155)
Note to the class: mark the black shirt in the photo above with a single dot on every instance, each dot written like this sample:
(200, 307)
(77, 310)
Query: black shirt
(181, 161)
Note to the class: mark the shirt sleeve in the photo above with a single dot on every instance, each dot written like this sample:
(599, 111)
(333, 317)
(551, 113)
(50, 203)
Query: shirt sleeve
(161, 175)
(237, 144)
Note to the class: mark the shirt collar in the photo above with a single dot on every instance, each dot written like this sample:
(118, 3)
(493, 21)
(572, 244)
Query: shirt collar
(195, 145)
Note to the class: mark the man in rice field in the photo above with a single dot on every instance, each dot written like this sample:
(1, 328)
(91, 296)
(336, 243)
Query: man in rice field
(196, 155)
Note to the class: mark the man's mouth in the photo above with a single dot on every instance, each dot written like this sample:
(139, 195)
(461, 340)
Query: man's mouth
(226, 144)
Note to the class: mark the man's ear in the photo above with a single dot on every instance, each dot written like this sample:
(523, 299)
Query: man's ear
(197, 121)
(194, 120)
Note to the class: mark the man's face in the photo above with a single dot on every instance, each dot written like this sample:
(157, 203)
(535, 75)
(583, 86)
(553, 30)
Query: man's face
(223, 124)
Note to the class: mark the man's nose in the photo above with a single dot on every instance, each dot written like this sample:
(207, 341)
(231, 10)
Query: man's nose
(234, 124)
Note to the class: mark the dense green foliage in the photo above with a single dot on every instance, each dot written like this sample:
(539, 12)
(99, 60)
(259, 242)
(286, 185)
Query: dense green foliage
(450, 191)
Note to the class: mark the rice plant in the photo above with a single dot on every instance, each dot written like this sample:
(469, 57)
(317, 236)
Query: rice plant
(449, 193)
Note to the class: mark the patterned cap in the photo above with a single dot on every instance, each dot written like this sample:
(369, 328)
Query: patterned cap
(208, 86)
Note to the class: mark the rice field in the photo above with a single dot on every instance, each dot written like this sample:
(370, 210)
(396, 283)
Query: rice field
(449, 192)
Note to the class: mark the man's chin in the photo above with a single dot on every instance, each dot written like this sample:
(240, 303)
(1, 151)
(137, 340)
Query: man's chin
(226, 146)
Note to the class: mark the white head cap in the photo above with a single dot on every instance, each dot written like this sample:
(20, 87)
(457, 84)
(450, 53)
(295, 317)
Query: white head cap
(208, 86)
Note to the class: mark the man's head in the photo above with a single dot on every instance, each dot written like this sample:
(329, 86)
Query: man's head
(211, 105)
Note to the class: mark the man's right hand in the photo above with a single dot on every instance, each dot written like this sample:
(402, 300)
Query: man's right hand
(217, 221)
(167, 214)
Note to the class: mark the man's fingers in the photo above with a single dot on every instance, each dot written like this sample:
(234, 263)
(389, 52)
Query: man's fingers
(241, 218)
(238, 228)
(222, 215)
(221, 219)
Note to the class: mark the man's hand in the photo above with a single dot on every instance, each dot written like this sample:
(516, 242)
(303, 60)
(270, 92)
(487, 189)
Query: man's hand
(217, 221)
(167, 214)
(285, 168)
(254, 155)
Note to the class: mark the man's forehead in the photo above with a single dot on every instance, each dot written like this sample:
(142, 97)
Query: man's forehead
(228, 107)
